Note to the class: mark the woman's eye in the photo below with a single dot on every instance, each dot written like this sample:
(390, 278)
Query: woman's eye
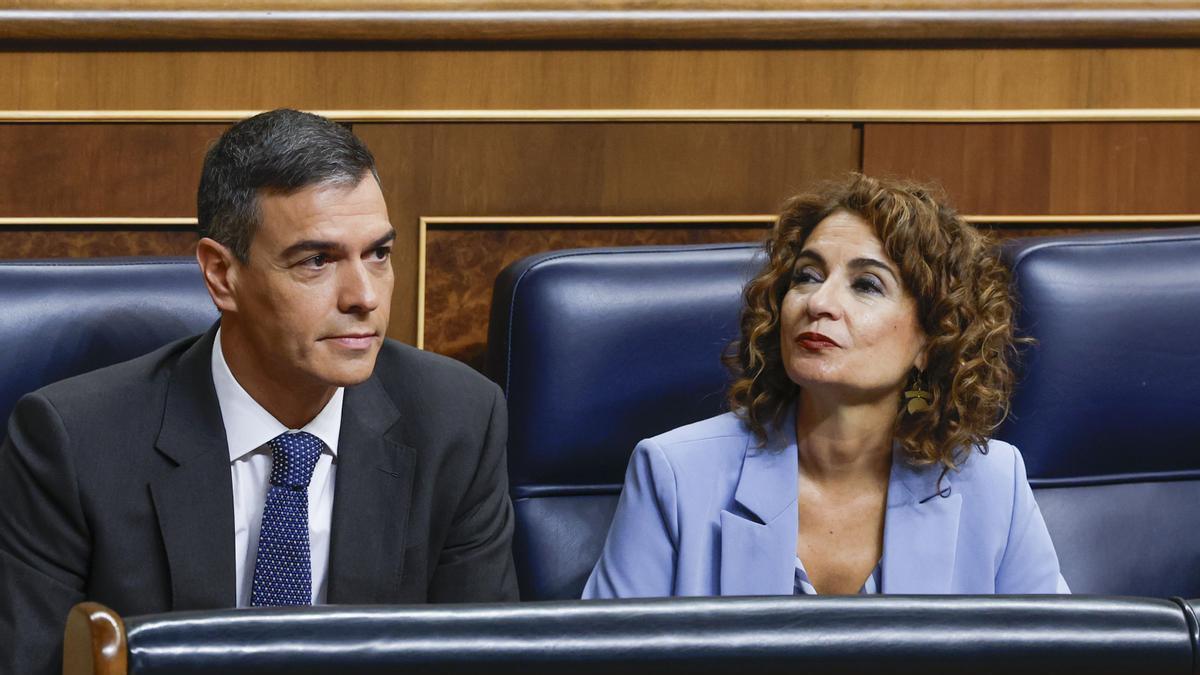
(868, 285)
(805, 276)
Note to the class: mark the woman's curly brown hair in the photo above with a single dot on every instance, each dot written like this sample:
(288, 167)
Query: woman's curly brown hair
(963, 305)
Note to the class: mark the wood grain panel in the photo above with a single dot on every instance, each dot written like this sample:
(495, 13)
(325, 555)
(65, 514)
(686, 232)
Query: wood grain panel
(1060, 169)
(462, 265)
(130, 170)
(738, 21)
(836, 78)
(93, 243)
(1125, 168)
(985, 168)
(546, 169)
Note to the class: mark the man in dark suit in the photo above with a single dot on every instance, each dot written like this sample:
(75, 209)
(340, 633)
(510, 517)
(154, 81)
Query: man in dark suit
(290, 455)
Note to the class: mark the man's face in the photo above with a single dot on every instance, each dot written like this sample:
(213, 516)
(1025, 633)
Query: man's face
(314, 297)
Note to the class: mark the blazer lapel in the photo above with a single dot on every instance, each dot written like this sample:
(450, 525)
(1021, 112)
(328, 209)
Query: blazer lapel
(920, 531)
(758, 546)
(372, 496)
(194, 499)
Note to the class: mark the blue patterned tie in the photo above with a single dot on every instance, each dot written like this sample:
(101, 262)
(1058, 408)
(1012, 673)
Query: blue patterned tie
(283, 569)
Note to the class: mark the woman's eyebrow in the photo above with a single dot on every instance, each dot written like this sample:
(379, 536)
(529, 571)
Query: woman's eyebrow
(860, 263)
(811, 255)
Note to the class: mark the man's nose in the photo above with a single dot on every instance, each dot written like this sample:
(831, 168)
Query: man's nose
(356, 289)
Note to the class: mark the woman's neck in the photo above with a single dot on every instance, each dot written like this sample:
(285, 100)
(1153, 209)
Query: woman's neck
(839, 442)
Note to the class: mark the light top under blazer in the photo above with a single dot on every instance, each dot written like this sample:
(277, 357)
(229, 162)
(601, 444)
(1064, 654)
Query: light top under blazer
(705, 511)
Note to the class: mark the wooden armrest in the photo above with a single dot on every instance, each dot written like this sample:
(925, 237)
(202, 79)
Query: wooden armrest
(95, 641)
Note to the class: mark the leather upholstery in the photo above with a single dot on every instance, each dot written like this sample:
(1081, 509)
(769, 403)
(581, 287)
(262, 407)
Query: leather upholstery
(597, 349)
(1189, 613)
(62, 318)
(918, 635)
(1107, 410)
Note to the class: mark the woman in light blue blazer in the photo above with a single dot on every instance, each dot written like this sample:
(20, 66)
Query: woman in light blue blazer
(874, 359)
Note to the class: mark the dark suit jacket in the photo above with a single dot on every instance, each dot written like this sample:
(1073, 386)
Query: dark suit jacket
(115, 487)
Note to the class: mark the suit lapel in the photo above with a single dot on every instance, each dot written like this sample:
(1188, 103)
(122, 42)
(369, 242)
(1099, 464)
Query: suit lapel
(372, 496)
(758, 543)
(194, 499)
(920, 531)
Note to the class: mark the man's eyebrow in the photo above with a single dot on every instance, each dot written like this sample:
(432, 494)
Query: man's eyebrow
(384, 240)
(315, 245)
(319, 246)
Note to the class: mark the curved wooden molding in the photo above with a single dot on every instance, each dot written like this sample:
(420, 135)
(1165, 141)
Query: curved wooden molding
(1068, 221)
(118, 222)
(497, 221)
(96, 222)
(497, 21)
(94, 642)
(621, 115)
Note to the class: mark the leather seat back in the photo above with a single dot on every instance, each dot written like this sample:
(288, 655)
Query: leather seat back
(63, 318)
(1107, 411)
(597, 349)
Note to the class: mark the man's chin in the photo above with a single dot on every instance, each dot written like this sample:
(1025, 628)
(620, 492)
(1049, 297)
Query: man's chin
(347, 372)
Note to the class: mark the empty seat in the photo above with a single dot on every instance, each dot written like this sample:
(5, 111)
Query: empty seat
(1107, 410)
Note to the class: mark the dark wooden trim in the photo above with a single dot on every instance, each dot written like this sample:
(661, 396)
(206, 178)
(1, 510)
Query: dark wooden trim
(94, 642)
(735, 21)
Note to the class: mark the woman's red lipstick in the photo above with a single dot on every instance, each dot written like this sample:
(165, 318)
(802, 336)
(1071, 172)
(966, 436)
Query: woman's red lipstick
(815, 341)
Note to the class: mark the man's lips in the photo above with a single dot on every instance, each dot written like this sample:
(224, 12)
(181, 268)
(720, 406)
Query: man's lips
(352, 340)
(814, 341)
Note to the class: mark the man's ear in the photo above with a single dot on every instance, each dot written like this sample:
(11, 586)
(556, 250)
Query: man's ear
(220, 269)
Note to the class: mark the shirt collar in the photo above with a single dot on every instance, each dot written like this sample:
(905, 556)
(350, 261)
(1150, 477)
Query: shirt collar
(248, 425)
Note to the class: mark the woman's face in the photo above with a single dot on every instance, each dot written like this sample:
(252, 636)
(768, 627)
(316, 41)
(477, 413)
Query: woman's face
(849, 326)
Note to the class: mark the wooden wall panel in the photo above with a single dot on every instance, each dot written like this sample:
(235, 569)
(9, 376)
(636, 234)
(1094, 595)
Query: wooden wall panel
(78, 243)
(463, 263)
(586, 169)
(1048, 169)
(526, 78)
(122, 170)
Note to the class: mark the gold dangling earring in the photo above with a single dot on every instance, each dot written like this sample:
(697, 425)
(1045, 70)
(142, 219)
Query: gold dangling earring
(917, 397)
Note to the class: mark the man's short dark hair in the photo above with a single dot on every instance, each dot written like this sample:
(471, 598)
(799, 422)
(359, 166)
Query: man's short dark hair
(280, 151)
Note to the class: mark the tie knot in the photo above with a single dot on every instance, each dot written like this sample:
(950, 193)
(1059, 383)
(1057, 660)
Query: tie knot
(293, 458)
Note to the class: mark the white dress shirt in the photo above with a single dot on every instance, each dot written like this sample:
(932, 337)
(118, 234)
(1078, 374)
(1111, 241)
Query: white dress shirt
(248, 427)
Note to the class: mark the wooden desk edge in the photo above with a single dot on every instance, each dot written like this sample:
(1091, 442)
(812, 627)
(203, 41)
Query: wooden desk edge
(94, 642)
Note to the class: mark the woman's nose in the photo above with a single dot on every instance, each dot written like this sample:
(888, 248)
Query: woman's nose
(825, 301)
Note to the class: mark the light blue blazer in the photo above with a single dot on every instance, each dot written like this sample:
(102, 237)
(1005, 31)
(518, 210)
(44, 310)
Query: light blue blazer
(705, 511)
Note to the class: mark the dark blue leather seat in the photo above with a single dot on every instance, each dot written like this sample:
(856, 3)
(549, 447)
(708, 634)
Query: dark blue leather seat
(597, 349)
(1107, 413)
(62, 318)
